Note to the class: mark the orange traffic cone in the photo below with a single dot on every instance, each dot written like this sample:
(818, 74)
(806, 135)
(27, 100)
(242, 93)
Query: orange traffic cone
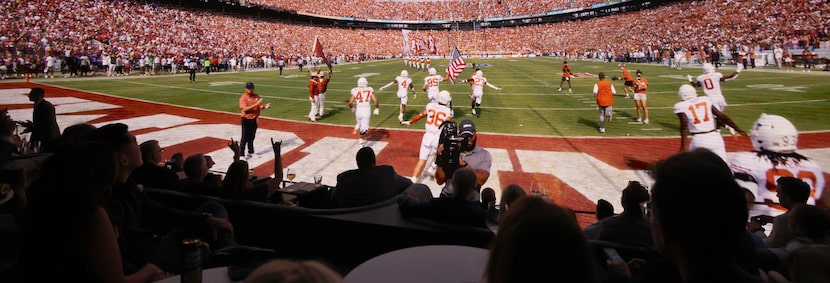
(26, 78)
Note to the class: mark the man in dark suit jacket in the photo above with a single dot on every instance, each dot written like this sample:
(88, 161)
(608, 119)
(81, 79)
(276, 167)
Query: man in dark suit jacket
(44, 125)
(151, 173)
(367, 184)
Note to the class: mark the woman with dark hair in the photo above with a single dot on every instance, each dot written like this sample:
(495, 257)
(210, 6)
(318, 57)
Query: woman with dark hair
(237, 185)
(538, 240)
(66, 232)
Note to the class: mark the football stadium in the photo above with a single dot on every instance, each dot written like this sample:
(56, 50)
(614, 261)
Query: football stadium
(364, 140)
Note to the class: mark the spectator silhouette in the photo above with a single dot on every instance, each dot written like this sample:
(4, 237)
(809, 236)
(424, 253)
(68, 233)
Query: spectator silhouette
(458, 209)
(44, 124)
(702, 243)
(237, 185)
(75, 134)
(509, 194)
(791, 192)
(152, 173)
(149, 232)
(8, 138)
(604, 209)
(810, 226)
(176, 164)
(195, 167)
(538, 240)
(488, 203)
(71, 196)
(368, 184)
(631, 227)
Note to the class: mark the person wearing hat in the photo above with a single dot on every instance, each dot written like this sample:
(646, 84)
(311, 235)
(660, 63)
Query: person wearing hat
(640, 85)
(313, 93)
(250, 104)
(323, 79)
(472, 156)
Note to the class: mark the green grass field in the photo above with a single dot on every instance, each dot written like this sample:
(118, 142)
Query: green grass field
(529, 104)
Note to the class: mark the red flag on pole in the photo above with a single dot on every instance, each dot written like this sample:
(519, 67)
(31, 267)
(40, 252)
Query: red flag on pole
(318, 51)
(457, 64)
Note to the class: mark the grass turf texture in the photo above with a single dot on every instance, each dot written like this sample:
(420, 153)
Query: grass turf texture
(529, 104)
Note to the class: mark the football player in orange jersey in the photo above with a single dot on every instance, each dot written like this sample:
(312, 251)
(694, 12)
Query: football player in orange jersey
(566, 76)
(629, 82)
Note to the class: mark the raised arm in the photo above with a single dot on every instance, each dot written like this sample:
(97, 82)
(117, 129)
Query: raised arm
(725, 120)
(234, 146)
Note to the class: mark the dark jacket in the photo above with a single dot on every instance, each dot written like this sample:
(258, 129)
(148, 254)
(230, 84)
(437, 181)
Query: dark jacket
(46, 129)
(366, 186)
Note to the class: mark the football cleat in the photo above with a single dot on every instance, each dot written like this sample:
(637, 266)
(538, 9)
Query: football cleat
(602, 130)
(645, 121)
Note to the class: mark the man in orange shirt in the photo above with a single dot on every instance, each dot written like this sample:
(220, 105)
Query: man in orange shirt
(640, 85)
(566, 76)
(313, 93)
(604, 93)
(322, 85)
(250, 104)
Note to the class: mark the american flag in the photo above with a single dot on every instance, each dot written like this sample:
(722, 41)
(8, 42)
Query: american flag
(456, 65)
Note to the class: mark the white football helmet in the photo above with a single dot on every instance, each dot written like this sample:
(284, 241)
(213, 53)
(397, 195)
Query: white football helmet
(444, 97)
(686, 92)
(708, 68)
(774, 133)
(404, 74)
(432, 71)
(479, 74)
(362, 82)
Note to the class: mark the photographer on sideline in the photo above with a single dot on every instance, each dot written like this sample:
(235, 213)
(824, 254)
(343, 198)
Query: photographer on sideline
(471, 155)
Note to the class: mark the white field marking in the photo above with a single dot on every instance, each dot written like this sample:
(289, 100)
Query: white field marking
(223, 157)
(651, 129)
(779, 87)
(501, 162)
(330, 156)
(366, 75)
(162, 121)
(224, 83)
(15, 96)
(591, 177)
(63, 105)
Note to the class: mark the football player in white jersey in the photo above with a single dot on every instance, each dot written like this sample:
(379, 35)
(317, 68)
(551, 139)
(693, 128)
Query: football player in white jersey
(361, 100)
(710, 82)
(699, 117)
(404, 83)
(431, 83)
(775, 141)
(478, 81)
(437, 112)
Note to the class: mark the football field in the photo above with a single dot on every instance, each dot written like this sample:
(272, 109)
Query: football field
(539, 138)
(529, 103)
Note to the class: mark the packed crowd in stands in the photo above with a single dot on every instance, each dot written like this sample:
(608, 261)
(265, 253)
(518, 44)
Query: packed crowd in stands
(105, 237)
(35, 30)
(428, 10)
